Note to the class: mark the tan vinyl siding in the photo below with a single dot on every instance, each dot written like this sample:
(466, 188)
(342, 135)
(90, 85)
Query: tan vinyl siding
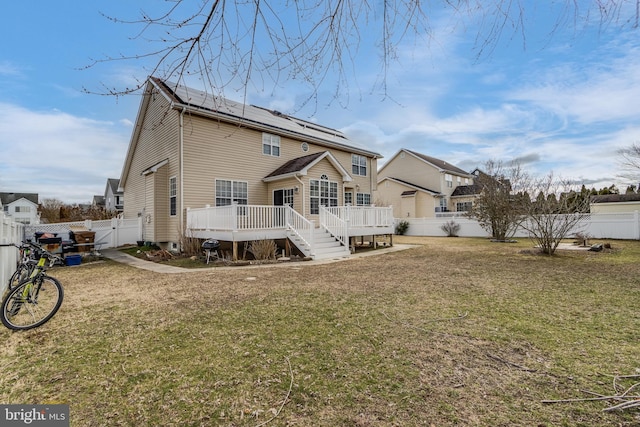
(215, 150)
(407, 167)
(413, 170)
(158, 140)
(418, 205)
(162, 231)
(615, 207)
(426, 205)
(389, 193)
(148, 208)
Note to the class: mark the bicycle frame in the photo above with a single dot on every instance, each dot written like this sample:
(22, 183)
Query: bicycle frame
(37, 271)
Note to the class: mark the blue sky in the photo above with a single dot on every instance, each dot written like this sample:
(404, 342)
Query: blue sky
(561, 104)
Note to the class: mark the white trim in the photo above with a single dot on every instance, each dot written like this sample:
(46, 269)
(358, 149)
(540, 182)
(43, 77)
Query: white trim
(154, 168)
(303, 172)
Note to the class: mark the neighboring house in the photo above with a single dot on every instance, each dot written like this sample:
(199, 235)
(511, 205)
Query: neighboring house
(21, 207)
(214, 168)
(113, 198)
(615, 203)
(420, 186)
(98, 201)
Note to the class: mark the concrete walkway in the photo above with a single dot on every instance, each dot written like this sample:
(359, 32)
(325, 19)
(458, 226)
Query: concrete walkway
(127, 259)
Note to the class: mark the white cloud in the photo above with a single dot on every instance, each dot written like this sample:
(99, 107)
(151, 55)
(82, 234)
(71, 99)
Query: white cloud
(9, 69)
(57, 154)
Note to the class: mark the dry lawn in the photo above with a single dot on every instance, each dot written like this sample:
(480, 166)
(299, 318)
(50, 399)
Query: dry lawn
(452, 332)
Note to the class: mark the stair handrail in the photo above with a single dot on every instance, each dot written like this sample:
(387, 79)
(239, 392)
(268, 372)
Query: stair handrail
(301, 227)
(336, 226)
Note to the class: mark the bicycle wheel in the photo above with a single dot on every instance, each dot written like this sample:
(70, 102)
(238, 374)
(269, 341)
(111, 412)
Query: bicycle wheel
(31, 304)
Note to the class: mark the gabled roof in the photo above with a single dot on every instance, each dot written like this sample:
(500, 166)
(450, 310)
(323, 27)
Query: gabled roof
(441, 165)
(113, 183)
(301, 165)
(8, 198)
(197, 101)
(409, 184)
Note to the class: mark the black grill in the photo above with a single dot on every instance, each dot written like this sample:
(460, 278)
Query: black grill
(211, 245)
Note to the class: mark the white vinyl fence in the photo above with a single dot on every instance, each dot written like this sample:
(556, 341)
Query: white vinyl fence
(624, 226)
(110, 233)
(10, 232)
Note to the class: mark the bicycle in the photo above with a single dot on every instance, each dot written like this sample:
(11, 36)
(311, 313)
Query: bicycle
(25, 266)
(36, 299)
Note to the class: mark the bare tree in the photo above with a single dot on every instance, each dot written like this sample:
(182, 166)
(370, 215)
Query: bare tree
(558, 212)
(50, 210)
(498, 207)
(259, 42)
(630, 162)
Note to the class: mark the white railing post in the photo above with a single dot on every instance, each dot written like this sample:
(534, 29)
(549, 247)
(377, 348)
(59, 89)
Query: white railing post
(312, 243)
(115, 240)
(234, 216)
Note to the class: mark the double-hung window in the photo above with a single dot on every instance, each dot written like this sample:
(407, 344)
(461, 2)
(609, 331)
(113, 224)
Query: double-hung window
(363, 199)
(270, 145)
(464, 206)
(173, 196)
(358, 165)
(444, 206)
(322, 192)
(228, 192)
(449, 179)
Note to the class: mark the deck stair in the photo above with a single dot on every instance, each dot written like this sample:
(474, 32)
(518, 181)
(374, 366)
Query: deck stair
(325, 246)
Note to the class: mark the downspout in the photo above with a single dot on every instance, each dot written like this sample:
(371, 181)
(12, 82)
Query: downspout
(304, 213)
(181, 143)
(371, 179)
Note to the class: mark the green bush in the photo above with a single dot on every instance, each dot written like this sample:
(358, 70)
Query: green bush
(401, 227)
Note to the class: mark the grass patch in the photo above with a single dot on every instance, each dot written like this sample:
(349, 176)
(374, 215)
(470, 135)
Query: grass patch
(453, 332)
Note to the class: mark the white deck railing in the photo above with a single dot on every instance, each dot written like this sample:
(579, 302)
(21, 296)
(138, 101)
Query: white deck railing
(364, 216)
(336, 226)
(301, 227)
(237, 218)
(256, 217)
